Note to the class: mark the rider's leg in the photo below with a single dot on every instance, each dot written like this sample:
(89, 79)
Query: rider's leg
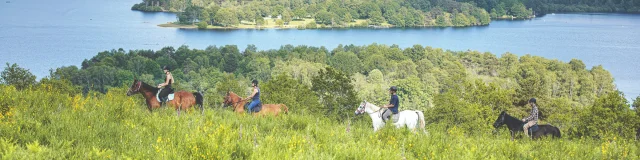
(527, 126)
(252, 105)
(164, 93)
(385, 114)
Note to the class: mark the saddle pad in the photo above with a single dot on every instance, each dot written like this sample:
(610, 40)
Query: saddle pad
(158, 96)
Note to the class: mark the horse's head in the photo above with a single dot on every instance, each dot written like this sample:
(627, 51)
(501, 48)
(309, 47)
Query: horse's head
(226, 99)
(362, 108)
(135, 87)
(230, 99)
(500, 121)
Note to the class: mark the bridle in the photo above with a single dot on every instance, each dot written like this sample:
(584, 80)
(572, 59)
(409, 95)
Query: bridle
(234, 103)
(365, 106)
(139, 84)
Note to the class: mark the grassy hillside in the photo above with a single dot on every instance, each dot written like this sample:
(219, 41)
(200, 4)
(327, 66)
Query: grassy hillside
(42, 123)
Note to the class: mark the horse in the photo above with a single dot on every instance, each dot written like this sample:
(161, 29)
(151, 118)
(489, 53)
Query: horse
(515, 125)
(412, 119)
(182, 99)
(267, 109)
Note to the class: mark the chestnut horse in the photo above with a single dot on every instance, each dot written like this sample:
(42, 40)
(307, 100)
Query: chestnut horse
(182, 99)
(267, 109)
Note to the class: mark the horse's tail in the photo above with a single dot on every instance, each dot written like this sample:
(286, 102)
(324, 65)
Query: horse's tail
(421, 121)
(286, 110)
(556, 132)
(199, 100)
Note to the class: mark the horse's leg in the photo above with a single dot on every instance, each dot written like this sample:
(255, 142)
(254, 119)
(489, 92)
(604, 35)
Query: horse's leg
(512, 134)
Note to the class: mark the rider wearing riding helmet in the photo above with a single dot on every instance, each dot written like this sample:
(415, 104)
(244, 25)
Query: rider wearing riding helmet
(255, 96)
(167, 84)
(392, 107)
(533, 117)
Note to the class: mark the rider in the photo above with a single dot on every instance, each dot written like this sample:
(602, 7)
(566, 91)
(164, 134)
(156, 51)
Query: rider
(255, 96)
(167, 84)
(532, 119)
(392, 107)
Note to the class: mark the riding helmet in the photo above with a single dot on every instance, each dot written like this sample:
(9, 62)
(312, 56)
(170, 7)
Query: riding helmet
(393, 88)
(255, 82)
(532, 100)
(166, 68)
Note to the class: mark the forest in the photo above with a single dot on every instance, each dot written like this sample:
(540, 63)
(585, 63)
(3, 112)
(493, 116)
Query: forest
(396, 13)
(82, 111)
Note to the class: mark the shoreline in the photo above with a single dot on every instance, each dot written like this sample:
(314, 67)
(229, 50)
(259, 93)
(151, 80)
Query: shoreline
(299, 24)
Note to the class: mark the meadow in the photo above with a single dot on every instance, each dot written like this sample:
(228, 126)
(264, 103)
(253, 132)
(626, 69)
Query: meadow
(44, 123)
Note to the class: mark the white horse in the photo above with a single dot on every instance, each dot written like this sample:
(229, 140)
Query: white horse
(411, 118)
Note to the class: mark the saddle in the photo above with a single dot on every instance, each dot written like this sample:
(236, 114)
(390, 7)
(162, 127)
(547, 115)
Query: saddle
(532, 129)
(385, 119)
(255, 109)
(168, 98)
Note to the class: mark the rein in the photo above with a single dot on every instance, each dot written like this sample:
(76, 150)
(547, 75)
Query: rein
(139, 84)
(380, 108)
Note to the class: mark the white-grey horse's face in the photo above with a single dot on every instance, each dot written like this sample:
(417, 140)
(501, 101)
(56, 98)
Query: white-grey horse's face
(361, 108)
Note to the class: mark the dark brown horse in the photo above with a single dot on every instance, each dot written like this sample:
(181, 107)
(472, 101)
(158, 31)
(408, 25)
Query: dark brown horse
(515, 125)
(267, 109)
(182, 99)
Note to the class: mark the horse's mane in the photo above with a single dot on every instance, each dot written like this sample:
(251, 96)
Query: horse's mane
(510, 120)
(149, 87)
(509, 116)
(373, 106)
(234, 95)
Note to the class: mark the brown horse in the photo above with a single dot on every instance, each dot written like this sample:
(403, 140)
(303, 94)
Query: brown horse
(182, 99)
(267, 109)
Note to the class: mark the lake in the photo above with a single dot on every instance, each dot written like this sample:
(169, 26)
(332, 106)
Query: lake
(41, 35)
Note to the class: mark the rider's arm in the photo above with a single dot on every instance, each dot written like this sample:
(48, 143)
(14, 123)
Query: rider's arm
(534, 112)
(166, 81)
(253, 94)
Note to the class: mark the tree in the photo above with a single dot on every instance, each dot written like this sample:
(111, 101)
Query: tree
(190, 15)
(19, 77)
(230, 82)
(280, 23)
(376, 18)
(204, 16)
(348, 18)
(577, 65)
(415, 95)
(286, 90)
(259, 68)
(609, 115)
(226, 17)
(346, 62)
(335, 91)
(460, 20)
(259, 21)
(299, 13)
(202, 25)
(636, 103)
(520, 11)
(324, 17)
(443, 20)
(286, 16)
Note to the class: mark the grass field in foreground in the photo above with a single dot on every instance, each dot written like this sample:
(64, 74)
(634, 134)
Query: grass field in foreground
(41, 124)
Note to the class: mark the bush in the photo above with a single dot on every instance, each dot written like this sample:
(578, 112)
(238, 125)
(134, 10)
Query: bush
(19, 77)
(202, 25)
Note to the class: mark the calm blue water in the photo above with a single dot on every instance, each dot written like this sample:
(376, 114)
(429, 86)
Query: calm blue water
(40, 35)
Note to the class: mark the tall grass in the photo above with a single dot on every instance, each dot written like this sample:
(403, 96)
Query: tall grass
(43, 124)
